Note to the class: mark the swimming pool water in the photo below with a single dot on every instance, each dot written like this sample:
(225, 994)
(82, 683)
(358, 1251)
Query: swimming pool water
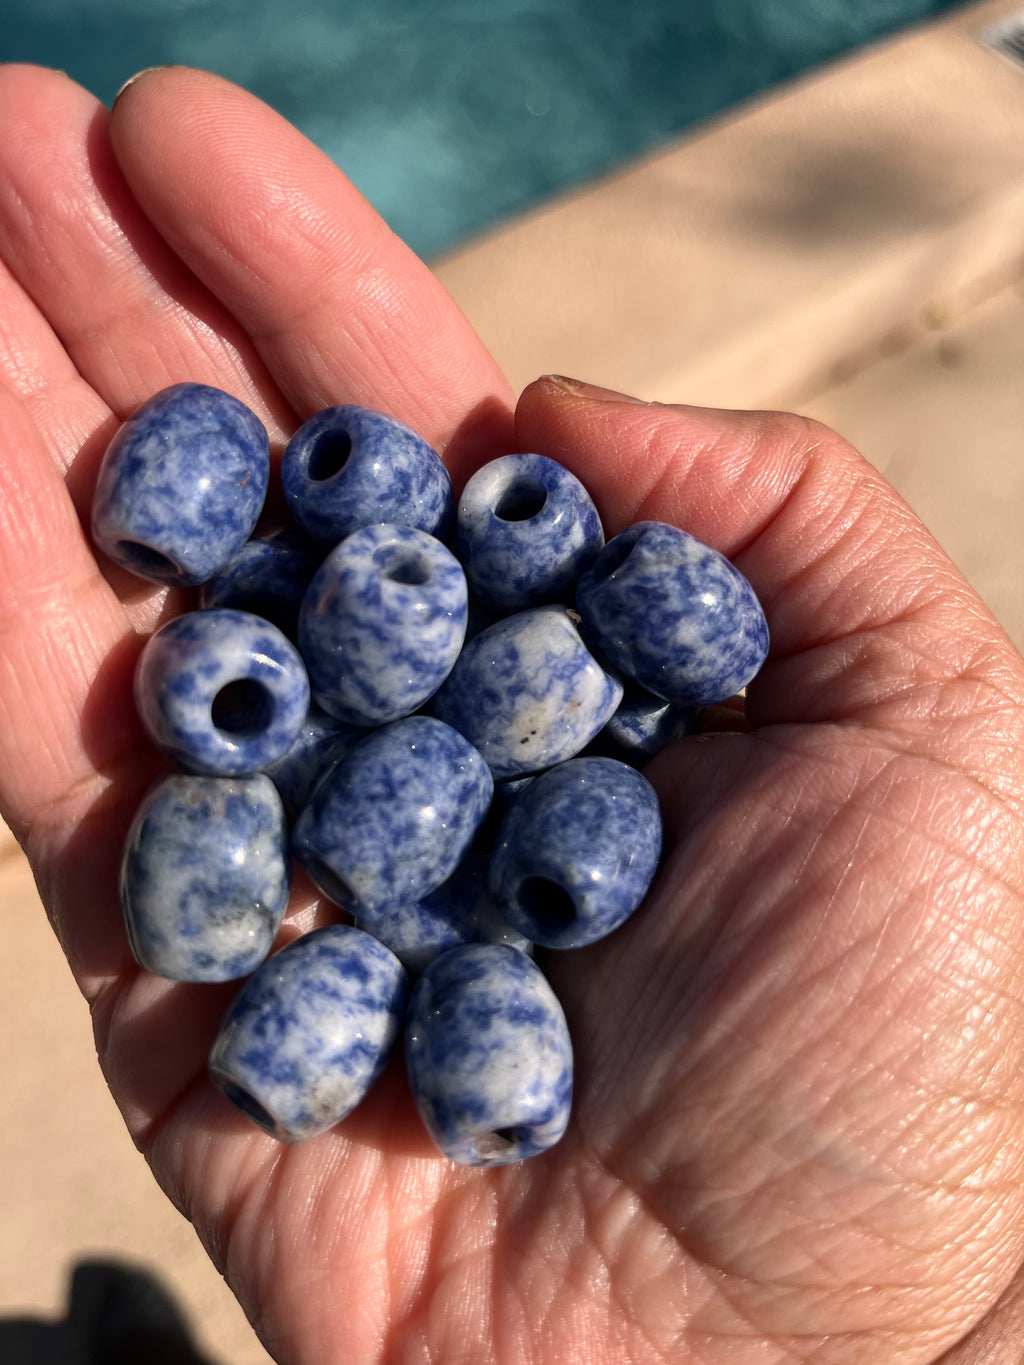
(451, 114)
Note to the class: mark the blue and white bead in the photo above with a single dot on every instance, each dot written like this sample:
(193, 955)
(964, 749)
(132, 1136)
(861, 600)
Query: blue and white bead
(321, 743)
(268, 576)
(382, 624)
(527, 693)
(577, 852)
(643, 725)
(205, 876)
(181, 485)
(395, 817)
(349, 467)
(526, 529)
(461, 910)
(221, 692)
(489, 1056)
(673, 614)
(310, 1032)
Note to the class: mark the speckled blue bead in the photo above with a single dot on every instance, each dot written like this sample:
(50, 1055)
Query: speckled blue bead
(461, 910)
(181, 485)
(394, 818)
(525, 530)
(349, 467)
(382, 624)
(673, 614)
(577, 852)
(321, 743)
(205, 876)
(268, 576)
(528, 693)
(489, 1056)
(643, 725)
(221, 692)
(309, 1033)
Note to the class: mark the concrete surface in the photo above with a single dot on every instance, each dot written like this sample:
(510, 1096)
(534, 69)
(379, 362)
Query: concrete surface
(849, 247)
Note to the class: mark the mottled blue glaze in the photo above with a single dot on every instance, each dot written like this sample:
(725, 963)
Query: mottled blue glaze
(309, 1033)
(525, 530)
(221, 692)
(349, 467)
(577, 852)
(489, 1056)
(527, 693)
(181, 485)
(394, 818)
(382, 624)
(268, 576)
(461, 910)
(643, 725)
(205, 876)
(321, 743)
(673, 614)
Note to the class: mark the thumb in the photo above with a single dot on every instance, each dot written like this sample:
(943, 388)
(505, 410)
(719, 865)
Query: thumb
(870, 621)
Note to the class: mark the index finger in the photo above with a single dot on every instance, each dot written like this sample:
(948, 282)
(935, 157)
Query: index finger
(339, 308)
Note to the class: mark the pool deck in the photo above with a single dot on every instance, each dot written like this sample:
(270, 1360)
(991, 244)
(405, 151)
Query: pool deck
(852, 247)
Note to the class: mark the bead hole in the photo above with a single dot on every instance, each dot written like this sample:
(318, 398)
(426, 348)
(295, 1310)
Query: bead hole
(401, 565)
(241, 1099)
(522, 499)
(614, 555)
(334, 887)
(242, 708)
(497, 1145)
(146, 562)
(329, 455)
(548, 905)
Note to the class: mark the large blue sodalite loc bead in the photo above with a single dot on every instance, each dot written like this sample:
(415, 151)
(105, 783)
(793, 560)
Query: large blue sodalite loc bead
(310, 1032)
(673, 614)
(349, 467)
(459, 911)
(528, 693)
(489, 1056)
(268, 576)
(181, 485)
(394, 818)
(576, 852)
(205, 876)
(221, 692)
(525, 530)
(382, 623)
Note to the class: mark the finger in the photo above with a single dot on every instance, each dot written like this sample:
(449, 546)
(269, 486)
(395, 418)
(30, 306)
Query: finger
(129, 315)
(340, 309)
(868, 617)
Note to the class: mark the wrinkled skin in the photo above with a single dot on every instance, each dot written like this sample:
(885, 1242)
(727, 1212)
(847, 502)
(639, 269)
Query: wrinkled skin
(799, 1122)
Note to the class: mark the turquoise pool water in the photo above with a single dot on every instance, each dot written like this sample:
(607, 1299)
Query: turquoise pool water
(451, 114)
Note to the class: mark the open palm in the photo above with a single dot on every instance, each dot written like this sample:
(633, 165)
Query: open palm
(799, 1118)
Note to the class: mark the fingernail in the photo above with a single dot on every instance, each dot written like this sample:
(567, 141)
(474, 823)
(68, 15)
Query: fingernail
(578, 389)
(132, 79)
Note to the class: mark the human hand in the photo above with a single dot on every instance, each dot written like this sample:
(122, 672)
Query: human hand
(797, 1126)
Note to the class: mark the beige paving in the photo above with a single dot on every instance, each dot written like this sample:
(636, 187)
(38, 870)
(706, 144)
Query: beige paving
(848, 247)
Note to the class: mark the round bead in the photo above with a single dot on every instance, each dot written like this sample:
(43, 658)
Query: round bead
(394, 818)
(382, 624)
(205, 876)
(221, 692)
(181, 485)
(577, 852)
(349, 467)
(459, 911)
(673, 614)
(310, 1031)
(321, 743)
(268, 576)
(527, 693)
(525, 531)
(489, 1056)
